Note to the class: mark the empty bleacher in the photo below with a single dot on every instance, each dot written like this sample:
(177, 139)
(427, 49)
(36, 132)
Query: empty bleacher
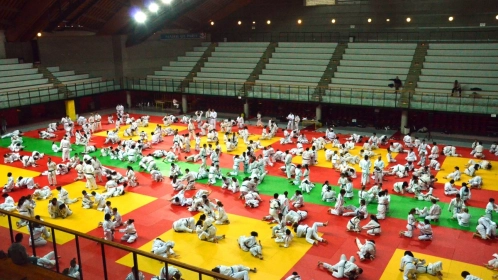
(364, 73)
(294, 71)
(22, 84)
(81, 84)
(228, 68)
(170, 78)
(473, 65)
(371, 65)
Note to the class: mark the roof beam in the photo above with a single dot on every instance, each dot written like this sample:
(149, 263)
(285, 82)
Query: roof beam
(82, 12)
(25, 20)
(10, 9)
(73, 5)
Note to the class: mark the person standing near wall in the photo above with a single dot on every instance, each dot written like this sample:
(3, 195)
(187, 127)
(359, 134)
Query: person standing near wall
(3, 122)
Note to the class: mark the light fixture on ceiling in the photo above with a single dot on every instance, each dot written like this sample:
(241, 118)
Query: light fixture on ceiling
(39, 34)
(333, 20)
(212, 22)
(153, 7)
(268, 22)
(388, 20)
(140, 17)
(369, 20)
(408, 19)
(299, 21)
(450, 18)
(239, 22)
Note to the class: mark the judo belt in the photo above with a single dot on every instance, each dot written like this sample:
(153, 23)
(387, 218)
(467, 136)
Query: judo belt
(51, 171)
(412, 226)
(231, 269)
(306, 231)
(354, 226)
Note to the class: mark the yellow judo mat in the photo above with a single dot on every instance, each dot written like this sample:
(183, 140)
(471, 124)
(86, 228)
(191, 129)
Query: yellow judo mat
(277, 260)
(148, 130)
(82, 220)
(488, 176)
(382, 152)
(451, 268)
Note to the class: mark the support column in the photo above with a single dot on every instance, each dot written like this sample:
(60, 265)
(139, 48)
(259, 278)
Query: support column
(70, 109)
(246, 110)
(318, 113)
(404, 121)
(3, 53)
(184, 104)
(128, 99)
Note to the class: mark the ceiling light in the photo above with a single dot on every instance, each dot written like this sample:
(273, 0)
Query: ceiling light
(39, 34)
(333, 20)
(153, 7)
(369, 20)
(253, 22)
(239, 23)
(388, 20)
(167, 2)
(212, 22)
(450, 18)
(299, 21)
(496, 16)
(268, 22)
(408, 19)
(140, 17)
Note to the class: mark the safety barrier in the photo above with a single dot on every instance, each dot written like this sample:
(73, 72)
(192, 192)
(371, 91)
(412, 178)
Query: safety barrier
(103, 244)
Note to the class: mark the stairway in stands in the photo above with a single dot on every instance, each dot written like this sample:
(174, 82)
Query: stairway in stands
(412, 78)
(52, 79)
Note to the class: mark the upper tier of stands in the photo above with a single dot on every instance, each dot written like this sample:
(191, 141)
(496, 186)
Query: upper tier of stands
(22, 84)
(473, 65)
(82, 84)
(228, 68)
(372, 65)
(170, 78)
(294, 64)
(15, 76)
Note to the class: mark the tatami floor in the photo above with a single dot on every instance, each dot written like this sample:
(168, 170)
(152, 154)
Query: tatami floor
(149, 205)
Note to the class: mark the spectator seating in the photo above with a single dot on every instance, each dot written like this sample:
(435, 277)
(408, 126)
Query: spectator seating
(15, 76)
(22, 84)
(294, 71)
(371, 65)
(82, 84)
(474, 65)
(169, 78)
(228, 68)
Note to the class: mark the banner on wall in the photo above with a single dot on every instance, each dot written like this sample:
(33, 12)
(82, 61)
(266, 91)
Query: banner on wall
(183, 36)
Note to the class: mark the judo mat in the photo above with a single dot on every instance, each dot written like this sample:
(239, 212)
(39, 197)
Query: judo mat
(148, 204)
(193, 251)
(451, 268)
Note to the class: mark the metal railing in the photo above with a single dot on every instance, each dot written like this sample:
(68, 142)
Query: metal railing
(78, 237)
(24, 97)
(378, 97)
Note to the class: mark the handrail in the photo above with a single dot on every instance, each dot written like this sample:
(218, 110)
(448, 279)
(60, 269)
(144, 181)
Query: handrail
(330, 86)
(114, 245)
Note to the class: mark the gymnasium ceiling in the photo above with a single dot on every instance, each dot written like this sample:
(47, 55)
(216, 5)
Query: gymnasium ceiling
(23, 19)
